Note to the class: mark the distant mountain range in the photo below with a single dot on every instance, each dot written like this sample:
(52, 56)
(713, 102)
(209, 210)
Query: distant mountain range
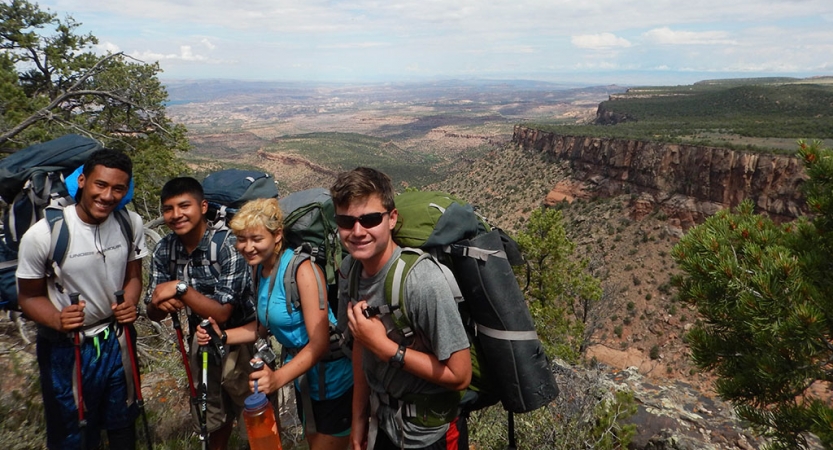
(490, 91)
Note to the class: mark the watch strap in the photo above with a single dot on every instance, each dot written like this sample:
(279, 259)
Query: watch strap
(398, 359)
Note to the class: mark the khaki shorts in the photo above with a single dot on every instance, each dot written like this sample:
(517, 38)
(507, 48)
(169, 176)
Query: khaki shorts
(224, 403)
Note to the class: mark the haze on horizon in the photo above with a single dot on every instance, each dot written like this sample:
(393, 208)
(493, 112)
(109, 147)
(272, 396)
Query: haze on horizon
(572, 41)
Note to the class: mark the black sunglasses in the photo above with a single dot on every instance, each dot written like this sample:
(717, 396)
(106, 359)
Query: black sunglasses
(365, 220)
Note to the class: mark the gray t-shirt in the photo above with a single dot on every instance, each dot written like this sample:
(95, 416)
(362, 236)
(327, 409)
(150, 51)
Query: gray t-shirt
(438, 329)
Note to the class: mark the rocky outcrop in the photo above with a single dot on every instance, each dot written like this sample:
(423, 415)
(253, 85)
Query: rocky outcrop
(606, 117)
(674, 416)
(688, 182)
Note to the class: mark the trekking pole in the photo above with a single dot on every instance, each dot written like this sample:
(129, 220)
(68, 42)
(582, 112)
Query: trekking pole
(204, 390)
(137, 377)
(511, 427)
(185, 361)
(82, 422)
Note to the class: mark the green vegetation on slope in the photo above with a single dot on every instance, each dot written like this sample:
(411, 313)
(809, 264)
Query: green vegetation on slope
(344, 151)
(719, 112)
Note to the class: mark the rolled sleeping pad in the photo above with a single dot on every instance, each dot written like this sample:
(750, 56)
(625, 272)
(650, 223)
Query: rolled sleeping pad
(506, 332)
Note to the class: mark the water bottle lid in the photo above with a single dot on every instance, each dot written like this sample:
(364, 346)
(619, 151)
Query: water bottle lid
(255, 401)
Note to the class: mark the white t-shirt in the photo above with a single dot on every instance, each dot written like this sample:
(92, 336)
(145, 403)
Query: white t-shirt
(95, 263)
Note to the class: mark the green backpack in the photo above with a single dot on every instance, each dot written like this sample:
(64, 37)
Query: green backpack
(309, 228)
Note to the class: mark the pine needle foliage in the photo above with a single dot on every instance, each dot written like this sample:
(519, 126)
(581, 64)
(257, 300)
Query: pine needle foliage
(765, 296)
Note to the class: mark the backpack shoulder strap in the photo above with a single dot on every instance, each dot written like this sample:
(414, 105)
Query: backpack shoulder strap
(395, 287)
(395, 284)
(172, 262)
(122, 216)
(59, 234)
(218, 239)
(290, 279)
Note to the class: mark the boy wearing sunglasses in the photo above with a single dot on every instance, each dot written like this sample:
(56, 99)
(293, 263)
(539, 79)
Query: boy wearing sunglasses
(393, 373)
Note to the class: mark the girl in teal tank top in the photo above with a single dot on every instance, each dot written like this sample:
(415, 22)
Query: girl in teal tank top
(303, 330)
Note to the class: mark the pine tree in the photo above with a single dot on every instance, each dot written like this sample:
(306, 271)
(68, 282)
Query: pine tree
(765, 295)
(52, 84)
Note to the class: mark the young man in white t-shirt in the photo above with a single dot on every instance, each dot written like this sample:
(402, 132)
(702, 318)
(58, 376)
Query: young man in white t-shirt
(99, 261)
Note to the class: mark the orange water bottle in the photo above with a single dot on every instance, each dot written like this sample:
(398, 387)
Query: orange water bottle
(260, 421)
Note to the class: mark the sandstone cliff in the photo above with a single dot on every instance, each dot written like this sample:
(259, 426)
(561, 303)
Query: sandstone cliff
(606, 117)
(689, 183)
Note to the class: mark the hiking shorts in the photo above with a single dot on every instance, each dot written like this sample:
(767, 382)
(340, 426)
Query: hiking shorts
(104, 387)
(228, 387)
(333, 417)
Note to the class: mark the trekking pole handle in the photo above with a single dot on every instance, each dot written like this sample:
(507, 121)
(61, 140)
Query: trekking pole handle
(74, 298)
(119, 296)
(215, 338)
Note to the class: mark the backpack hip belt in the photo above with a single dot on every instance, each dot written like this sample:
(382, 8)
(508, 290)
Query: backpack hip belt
(426, 410)
(56, 337)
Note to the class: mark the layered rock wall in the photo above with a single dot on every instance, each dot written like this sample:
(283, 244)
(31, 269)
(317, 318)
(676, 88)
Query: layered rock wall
(687, 181)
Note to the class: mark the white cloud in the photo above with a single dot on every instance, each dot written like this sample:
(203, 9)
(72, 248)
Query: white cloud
(106, 47)
(301, 39)
(667, 36)
(601, 41)
(185, 54)
(346, 45)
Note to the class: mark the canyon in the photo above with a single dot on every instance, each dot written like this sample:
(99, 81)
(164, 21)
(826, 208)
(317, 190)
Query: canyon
(687, 182)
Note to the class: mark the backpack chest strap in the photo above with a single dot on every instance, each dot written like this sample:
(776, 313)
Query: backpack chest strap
(394, 317)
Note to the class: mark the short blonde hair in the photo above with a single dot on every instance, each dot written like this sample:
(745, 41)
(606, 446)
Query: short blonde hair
(262, 212)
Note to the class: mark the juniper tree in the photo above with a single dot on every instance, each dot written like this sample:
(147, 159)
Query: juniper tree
(765, 295)
(563, 296)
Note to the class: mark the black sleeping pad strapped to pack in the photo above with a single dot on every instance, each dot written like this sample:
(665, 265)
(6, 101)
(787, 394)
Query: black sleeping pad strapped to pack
(505, 329)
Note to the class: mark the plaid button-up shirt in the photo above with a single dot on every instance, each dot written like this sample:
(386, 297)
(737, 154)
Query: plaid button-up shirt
(231, 285)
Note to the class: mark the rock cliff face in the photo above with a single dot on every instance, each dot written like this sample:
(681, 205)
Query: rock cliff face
(605, 117)
(689, 183)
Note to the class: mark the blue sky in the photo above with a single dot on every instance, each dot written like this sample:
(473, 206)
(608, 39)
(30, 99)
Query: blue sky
(579, 41)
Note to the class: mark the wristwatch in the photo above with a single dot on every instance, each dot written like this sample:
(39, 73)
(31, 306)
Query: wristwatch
(397, 361)
(181, 289)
